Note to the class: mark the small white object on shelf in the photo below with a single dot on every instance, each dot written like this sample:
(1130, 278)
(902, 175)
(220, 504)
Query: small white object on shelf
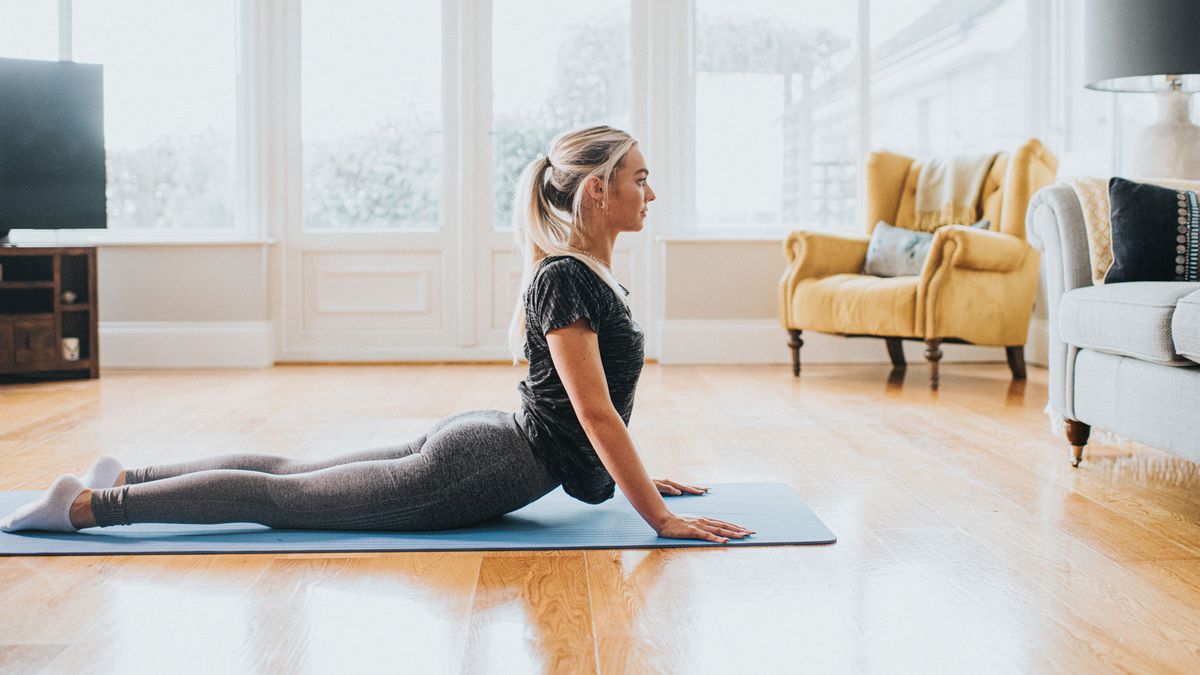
(70, 349)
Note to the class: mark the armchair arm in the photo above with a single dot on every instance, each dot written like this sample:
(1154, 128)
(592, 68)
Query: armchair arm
(814, 255)
(1056, 226)
(973, 249)
(978, 286)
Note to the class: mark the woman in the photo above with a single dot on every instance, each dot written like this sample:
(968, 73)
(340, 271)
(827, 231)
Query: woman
(585, 356)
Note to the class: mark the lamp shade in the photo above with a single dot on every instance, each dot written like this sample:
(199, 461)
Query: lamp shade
(1131, 45)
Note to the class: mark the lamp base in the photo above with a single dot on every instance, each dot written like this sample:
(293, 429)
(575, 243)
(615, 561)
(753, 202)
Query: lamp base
(1169, 148)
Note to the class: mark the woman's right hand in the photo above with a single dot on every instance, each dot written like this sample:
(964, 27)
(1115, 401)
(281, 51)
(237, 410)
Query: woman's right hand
(693, 527)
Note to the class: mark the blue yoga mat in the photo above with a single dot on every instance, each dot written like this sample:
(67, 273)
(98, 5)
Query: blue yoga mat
(556, 521)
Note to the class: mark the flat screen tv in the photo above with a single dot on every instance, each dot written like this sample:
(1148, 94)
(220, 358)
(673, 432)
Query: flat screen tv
(51, 145)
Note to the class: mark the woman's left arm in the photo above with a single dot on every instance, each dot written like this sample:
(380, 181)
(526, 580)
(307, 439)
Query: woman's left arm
(576, 354)
(575, 351)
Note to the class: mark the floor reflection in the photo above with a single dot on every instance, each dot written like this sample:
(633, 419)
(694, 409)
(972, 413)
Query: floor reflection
(1015, 396)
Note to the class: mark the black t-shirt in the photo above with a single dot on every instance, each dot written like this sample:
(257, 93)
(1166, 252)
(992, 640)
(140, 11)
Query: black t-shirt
(563, 291)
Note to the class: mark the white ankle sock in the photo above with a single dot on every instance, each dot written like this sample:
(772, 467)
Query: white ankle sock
(103, 473)
(51, 513)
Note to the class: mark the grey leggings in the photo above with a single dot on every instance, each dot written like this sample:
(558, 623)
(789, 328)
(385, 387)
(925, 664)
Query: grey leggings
(470, 467)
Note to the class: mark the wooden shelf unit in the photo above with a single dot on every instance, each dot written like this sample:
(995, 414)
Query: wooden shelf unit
(34, 316)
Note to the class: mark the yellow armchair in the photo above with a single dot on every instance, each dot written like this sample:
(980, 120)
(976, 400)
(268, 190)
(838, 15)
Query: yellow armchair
(976, 287)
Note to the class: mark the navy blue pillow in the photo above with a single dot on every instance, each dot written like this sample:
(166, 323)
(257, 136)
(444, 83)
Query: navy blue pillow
(1155, 233)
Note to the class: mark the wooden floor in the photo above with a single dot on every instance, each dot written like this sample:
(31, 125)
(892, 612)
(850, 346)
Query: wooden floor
(967, 543)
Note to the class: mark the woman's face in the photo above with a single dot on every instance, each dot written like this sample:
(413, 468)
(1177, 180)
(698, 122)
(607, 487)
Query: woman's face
(629, 194)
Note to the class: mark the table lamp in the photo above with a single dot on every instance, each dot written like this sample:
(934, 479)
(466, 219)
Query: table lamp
(1150, 46)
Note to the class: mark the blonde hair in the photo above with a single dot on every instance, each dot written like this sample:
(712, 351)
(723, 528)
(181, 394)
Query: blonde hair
(547, 207)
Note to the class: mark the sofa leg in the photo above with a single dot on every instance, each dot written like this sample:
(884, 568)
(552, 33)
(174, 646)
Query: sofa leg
(1016, 361)
(795, 343)
(895, 348)
(933, 354)
(1077, 435)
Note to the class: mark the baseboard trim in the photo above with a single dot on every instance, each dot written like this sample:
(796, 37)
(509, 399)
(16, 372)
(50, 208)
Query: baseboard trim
(186, 344)
(765, 341)
(249, 344)
(398, 355)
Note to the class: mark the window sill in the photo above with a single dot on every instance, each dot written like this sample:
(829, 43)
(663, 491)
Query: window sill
(240, 241)
(139, 239)
(700, 238)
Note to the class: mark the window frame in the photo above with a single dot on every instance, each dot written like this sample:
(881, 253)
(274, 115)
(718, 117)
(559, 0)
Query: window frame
(662, 99)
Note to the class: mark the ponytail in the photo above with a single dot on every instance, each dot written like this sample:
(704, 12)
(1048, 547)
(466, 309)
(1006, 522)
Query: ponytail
(547, 208)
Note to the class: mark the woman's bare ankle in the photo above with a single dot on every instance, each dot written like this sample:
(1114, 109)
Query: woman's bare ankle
(120, 480)
(81, 511)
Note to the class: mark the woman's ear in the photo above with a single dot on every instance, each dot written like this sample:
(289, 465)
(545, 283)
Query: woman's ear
(593, 187)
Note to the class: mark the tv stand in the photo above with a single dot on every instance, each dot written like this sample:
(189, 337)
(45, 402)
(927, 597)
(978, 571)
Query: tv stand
(48, 294)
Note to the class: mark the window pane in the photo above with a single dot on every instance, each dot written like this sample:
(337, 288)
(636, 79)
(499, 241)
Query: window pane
(29, 29)
(555, 65)
(1088, 139)
(776, 135)
(169, 107)
(948, 76)
(371, 114)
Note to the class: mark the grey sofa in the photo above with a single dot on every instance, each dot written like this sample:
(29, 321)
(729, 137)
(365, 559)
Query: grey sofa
(1123, 357)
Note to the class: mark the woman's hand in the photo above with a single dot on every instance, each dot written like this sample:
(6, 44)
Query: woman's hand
(692, 527)
(670, 487)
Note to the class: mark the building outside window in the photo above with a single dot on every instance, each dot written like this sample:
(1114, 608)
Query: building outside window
(766, 161)
(948, 76)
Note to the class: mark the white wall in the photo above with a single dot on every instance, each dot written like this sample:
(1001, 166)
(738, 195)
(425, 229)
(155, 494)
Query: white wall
(196, 305)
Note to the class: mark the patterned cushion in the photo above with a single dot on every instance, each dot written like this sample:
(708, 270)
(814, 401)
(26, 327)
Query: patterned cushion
(1093, 201)
(899, 252)
(1185, 327)
(1155, 233)
(1130, 319)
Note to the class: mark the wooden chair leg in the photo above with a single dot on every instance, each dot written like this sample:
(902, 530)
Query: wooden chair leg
(795, 343)
(1016, 361)
(933, 354)
(895, 348)
(1077, 435)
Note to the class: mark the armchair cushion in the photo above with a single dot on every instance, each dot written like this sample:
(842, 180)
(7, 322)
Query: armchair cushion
(856, 304)
(1185, 327)
(1129, 319)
